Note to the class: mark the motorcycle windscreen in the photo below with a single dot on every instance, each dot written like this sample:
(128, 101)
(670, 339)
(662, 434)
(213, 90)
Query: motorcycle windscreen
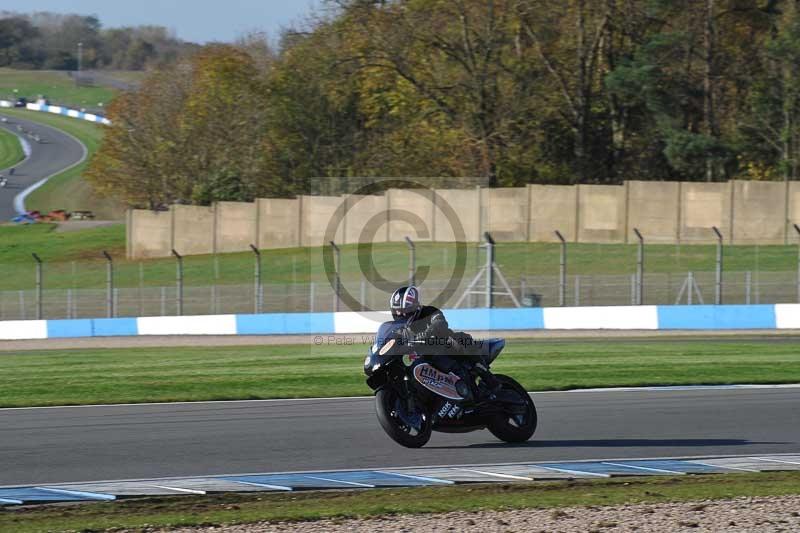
(386, 332)
(438, 382)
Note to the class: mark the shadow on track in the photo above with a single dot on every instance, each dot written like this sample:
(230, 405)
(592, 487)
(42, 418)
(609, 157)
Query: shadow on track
(609, 443)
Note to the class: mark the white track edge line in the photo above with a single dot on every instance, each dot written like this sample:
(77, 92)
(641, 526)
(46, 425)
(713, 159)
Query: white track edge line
(496, 474)
(726, 467)
(649, 469)
(355, 483)
(406, 467)
(665, 388)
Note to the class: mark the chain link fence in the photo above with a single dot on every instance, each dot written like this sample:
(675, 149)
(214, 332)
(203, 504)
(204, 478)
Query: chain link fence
(450, 275)
(581, 290)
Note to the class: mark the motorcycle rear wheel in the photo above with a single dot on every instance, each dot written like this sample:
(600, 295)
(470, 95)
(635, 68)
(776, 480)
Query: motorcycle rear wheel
(514, 428)
(387, 407)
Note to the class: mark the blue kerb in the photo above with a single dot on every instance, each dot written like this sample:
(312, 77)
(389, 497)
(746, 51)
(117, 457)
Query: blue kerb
(676, 466)
(115, 327)
(716, 317)
(32, 494)
(69, 328)
(284, 323)
(336, 480)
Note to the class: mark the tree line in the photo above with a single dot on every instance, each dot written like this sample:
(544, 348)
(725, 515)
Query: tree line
(46, 40)
(516, 91)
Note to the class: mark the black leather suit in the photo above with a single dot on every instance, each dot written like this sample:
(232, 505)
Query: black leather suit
(446, 349)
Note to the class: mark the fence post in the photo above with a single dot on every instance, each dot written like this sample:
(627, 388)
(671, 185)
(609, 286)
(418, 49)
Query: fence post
(412, 261)
(109, 285)
(562, 265)
(797, 229)
(179, 282)
(747, 285)
(257, 279)
(489, 269)
(38, 286)
(718, 290)
(639, 268)
(337, 281)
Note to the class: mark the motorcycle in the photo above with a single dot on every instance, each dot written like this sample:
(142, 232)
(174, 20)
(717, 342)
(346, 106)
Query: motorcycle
(414, 398)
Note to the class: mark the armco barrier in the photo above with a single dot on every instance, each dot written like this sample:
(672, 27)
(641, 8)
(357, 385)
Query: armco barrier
(662, 317)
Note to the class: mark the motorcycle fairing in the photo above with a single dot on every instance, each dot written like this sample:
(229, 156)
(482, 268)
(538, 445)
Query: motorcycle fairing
(437, 382)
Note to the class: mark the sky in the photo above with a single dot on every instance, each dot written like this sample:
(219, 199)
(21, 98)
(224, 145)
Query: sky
(193, 20)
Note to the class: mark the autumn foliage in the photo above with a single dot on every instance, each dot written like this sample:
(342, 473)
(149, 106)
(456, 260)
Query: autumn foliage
(517, 91)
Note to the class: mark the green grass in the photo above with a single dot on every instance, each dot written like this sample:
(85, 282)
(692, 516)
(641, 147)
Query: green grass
(91, 376)
(228, 509)
(302, 265)
(68, 190)
(10, 149)
(56, 86)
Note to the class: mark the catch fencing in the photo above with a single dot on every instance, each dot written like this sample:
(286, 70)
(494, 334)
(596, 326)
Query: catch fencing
(455, 275)
(531, 291)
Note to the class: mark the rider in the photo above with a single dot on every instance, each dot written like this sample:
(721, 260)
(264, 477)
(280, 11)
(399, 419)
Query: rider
(448, 350)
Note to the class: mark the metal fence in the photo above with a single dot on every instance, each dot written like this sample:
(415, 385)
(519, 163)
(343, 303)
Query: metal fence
(303, 280)
(581, 290)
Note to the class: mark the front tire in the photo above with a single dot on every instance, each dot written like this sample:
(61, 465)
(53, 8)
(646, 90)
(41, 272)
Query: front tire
(510, 427)
(388, 406)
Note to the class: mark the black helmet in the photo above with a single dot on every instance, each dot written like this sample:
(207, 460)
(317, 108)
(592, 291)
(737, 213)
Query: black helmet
(405, 302)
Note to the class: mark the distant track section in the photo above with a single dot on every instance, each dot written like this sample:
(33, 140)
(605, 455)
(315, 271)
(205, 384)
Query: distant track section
(55, 152)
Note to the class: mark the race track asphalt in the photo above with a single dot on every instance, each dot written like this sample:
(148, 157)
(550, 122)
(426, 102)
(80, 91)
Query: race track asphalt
(142, 441)
(56, 152)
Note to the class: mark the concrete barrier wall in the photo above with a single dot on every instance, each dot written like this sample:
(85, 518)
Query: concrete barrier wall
(703, 206)
(760, 212)
(553, 207)
(601, 213)
(410, 214)
(192, 229)
(279, 223)
(236, 226)
(645, 317)
(149, 233)
(454, 217)
(653, 209)
(366, 219)
(504, 213)
(746, 212)
(317, 213)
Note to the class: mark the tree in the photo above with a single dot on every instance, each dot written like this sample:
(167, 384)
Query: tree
(773, 120)
(14, 32)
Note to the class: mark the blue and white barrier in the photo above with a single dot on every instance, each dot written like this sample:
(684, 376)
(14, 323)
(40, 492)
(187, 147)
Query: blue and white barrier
(647, 317)
(67, 112)
(60, 110)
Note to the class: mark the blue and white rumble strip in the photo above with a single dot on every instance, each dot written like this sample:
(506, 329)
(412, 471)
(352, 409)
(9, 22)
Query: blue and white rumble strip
(394, 477)
(644, 317)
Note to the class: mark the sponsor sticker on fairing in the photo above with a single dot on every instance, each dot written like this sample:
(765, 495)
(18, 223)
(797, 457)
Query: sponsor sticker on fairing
(438, 382)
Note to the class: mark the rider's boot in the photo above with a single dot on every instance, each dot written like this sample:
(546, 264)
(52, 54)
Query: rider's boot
(491, 382)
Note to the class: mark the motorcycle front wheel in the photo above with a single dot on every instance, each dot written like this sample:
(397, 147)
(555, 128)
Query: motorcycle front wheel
(396, 421)
(514, 427)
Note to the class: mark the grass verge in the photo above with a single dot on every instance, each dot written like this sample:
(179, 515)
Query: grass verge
(10, 149)
(68, 190)
(230, 509)
(57, 86)
(74, 377)
(302, 265)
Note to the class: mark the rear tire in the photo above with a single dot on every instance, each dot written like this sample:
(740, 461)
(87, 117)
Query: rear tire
(387, 405)
(514, 428)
